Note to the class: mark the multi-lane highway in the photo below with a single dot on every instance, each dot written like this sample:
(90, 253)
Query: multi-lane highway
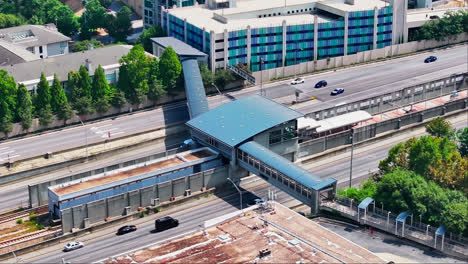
(358, 82)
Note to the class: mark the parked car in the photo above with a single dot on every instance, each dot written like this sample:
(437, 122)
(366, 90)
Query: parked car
(165, 223)
(321, 84)
(255, 201)
(337, 91)
(297, 81)
(73, 245)
(430, 59)
(126, 229)
(434, 17)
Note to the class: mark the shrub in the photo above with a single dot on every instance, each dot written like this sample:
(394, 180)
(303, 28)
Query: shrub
(19, 221)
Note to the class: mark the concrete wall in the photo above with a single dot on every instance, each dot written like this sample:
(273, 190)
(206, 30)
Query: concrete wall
(360, 57)
(97, 211)
(318, 145)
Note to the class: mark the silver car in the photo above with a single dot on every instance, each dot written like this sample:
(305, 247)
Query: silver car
(73, 245)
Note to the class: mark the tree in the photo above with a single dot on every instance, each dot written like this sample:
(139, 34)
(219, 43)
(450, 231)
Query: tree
(156, 90)
(170, 65)
(152, 32)
(117, 98)
(43, 97)
(9, 20)
(206, 75)
(94, 17)
(45, 116)
(100, 87)
(223, 77)
(63, 16)
(6, 117)
(84, 82)
(83, 106)
(59, 102)
(462, 139)
(133, 75)
(455, 217)
(121, 26)
(84, 45)
(105, 3)
(451, 23)
(439, 127)
(24, 107)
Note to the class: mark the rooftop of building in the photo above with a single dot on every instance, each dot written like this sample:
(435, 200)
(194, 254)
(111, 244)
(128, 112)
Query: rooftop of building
(32, 35)
(61, 65)
(137, 172)
(13, 54)
(333, 122)
(180, 47)
(287, 236)
(247, 13)
(239, 120)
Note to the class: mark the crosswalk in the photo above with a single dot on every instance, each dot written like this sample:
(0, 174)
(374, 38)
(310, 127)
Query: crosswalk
(7, 153)
(106, 131)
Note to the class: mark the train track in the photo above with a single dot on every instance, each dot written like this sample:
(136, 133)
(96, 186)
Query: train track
(29, 236)
(13, 216)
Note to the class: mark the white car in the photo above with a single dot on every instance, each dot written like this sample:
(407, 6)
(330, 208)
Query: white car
(297, 81)
(255, 201)
(73, 245)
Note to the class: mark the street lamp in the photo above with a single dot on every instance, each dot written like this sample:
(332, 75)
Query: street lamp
(220, 94)
(237, 188)
(295, 59)
(420, 217)
(351, 162)
(261, 77)
(86, 135)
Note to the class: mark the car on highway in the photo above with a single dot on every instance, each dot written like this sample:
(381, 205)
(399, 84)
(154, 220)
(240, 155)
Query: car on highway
(321, 84)
(255, 201)
(297, 81)
(337, 91)
(430, 59)
(73, 245)
(165, 223)
(126, 229)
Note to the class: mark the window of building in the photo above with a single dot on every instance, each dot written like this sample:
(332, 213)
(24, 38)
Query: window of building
(40, 49)
(275, 137)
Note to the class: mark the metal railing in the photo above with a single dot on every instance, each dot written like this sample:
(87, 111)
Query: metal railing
(414, 230)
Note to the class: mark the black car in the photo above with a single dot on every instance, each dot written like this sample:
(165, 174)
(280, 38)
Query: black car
(126, 229)
(321, 84)
(430, 59)
(165, 223)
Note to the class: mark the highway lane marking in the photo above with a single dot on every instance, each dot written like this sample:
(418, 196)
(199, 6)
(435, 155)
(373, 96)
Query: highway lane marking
(8, 152)
(112, 134)
(4, 148)
(99, 127)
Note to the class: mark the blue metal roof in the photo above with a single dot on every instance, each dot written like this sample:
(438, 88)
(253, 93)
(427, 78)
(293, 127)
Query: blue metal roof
(365, 203)
(180, 47)
(237, 121)
(440, 230)
(285, 166)
(402, 217)
(196, 96)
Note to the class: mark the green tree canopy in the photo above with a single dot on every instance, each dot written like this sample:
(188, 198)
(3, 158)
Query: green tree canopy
(105, 3)
(152, 32)
(66, 21)
(94, 16)
(59, 102)
(462, 138)
(24, 107)
(43, 97)
(6, 117)
(9, 20)
(207, 76)
(451, 23)
(120, 27)
(84, 45)
(223, 78)
(170, 68)
(133, 75)
(84, 82)
(439, 127)
(100, 87)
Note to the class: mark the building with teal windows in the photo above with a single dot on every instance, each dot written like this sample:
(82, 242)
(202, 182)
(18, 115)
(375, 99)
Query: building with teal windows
(266, 34)
(152, 9)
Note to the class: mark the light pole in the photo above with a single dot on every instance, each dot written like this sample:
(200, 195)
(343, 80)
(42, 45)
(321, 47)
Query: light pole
(351, 162)
(420, 218)
(220, 94)
(261, 77)
(295, 59)
(86, 135)
(388, 219)
(237, 188)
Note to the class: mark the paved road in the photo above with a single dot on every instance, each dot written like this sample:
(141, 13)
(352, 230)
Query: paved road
(365, 159)
(358, 81)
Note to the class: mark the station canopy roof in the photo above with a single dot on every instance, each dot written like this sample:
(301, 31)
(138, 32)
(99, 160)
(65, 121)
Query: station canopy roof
(237, 121)
(342, 120)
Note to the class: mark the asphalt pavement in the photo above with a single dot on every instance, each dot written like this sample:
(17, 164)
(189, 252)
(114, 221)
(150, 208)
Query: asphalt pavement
(360, 81)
